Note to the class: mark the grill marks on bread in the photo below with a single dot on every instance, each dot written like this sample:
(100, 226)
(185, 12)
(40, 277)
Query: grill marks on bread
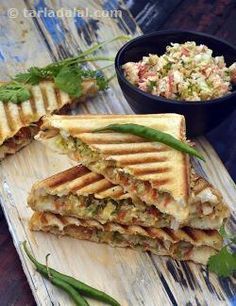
(45, 99)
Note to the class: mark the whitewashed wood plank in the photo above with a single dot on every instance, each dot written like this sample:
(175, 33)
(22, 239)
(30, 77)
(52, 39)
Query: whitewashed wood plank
(21, 46)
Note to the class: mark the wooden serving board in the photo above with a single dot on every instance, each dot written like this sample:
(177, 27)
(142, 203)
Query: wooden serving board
(133, 278)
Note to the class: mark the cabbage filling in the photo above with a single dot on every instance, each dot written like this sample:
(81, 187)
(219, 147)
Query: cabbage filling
(181, 249)
(143, 189)
(104, 210)
(123, 211)
(22, 138)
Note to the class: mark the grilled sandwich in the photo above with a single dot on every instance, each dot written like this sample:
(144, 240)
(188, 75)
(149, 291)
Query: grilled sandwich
(80, 193)
(185, 244)
(157, 174)
(19, 123)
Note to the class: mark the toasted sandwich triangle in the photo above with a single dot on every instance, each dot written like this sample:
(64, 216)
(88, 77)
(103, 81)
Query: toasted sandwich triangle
(158, 174)
(83, 194)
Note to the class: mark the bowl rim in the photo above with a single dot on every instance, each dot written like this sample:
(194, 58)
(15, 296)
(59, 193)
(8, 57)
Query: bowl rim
(159, 98)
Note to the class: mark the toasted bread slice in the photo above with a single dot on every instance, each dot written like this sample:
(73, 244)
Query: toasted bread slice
(184, 244)
(19, 123)
(83, 194)
(158, 174)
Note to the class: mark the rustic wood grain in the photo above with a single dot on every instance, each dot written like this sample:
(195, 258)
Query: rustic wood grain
(133, 278)
(151, 14)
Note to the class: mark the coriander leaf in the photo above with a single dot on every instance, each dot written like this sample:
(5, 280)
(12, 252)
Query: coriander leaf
(22, 77)
(88, 74)
(34, 75)
(69, 79)
(102, 82)
(53, 69)
(14, 92)
(97, 75)
(223, 263)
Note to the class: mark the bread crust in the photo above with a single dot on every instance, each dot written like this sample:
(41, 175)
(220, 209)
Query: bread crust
(201, 244)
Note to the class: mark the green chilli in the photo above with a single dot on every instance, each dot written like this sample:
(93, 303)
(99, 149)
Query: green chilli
(73, 293)
(70, 282)
(154, 135)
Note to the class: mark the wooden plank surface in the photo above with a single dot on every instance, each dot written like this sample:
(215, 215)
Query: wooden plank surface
(133, 278)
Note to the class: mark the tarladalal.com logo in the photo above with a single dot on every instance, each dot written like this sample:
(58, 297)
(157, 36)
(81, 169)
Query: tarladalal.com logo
(63, 12)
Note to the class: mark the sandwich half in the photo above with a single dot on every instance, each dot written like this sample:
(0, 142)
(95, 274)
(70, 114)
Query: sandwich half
(185, 244)
(159, 175)
(19, 123)
(78, 192)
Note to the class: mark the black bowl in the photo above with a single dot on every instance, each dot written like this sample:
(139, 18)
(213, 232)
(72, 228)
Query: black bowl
(200, 116)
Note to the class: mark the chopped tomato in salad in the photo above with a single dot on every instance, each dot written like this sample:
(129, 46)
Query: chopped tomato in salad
(185, 72)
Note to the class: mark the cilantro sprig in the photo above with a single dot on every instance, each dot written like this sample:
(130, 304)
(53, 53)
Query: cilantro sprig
(224, 262)
(67, 74)
(14, 92)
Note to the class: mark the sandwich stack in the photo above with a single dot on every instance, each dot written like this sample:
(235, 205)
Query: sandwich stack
(127, 191)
